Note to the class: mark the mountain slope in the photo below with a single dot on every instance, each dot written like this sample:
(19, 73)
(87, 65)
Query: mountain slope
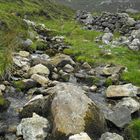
(102, 5)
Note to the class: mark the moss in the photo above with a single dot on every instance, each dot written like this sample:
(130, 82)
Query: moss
(132, 132)
(19, 85)
(108, 82)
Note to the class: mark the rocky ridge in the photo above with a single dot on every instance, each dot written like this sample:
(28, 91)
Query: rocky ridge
(54, 97)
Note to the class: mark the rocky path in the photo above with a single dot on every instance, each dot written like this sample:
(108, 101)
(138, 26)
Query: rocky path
(50, 96)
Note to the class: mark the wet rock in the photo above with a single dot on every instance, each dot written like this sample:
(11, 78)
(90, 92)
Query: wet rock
(111, 136)
(61, 60)
(122, 91)
(81, 136)
(107, 38)
(130, 103)
(39, 69)
(93, 88)
(35, 128)
(38, 104)
(2, 87)
(70, 117)
(119, 116)
(40, 79)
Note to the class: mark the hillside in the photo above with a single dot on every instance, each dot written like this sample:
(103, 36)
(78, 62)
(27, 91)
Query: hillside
(68, 75)
(102, 5)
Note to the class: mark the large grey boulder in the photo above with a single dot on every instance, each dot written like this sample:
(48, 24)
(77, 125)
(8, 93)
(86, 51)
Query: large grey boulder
(111, 136)
(73, 112)
(81, 136)
(35, 128)
(122, 91)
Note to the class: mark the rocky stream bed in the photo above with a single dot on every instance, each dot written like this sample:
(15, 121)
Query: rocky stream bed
(51, 96)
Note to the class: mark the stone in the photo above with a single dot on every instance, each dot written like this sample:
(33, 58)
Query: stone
(135, 45)
(122, 91)
(85, 65)
(24, 54)
(93, 88)
(35, 128)
(73, 112)
(27, 43)
(81, 136)
(130, 21)
(111, 136)
(39, 59)
(107, 38)
(130, 103)
(2, 87)
(39, 69)
(120, 117)
(68, 68)
(61, 60)
(136, 34)
(37, 104)
(40, 79)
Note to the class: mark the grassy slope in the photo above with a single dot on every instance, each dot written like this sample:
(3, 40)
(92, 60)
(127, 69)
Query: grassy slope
(13, 24)
(85, 49)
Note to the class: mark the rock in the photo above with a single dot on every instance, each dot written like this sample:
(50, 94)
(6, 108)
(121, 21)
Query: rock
(130, 21)
(122, 91)
(35, 128)
(74, 112)
(38, 104)
(61, 60)
(4, 104)
(24, 54)
(81, 136)
(20, 61)
(40, 79)
(39, 69)
(135, 45)
(93, 88)
(119, 116)
(39, 59)
(25, 84)
(136, 34)
(111, 136)
(130, 103)
(86, 66)
(27, 43)
(107, 38)
(68, 68)
(2, 87)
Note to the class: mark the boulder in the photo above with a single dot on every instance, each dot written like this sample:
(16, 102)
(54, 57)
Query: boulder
(81, 136)
(136, 34)
(73, 112)
(122, 91)
(111, 136)
(39, 69)
(35, 128)
(135, 45)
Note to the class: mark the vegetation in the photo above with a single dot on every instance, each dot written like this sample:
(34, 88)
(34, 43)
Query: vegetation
(132, 132)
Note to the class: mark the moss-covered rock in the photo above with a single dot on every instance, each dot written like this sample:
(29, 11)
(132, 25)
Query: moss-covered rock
(132, 132)
(4, 104)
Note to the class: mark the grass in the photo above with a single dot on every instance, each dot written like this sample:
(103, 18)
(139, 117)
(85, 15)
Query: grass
(132, 132)
(84, 48)
(12, 14)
